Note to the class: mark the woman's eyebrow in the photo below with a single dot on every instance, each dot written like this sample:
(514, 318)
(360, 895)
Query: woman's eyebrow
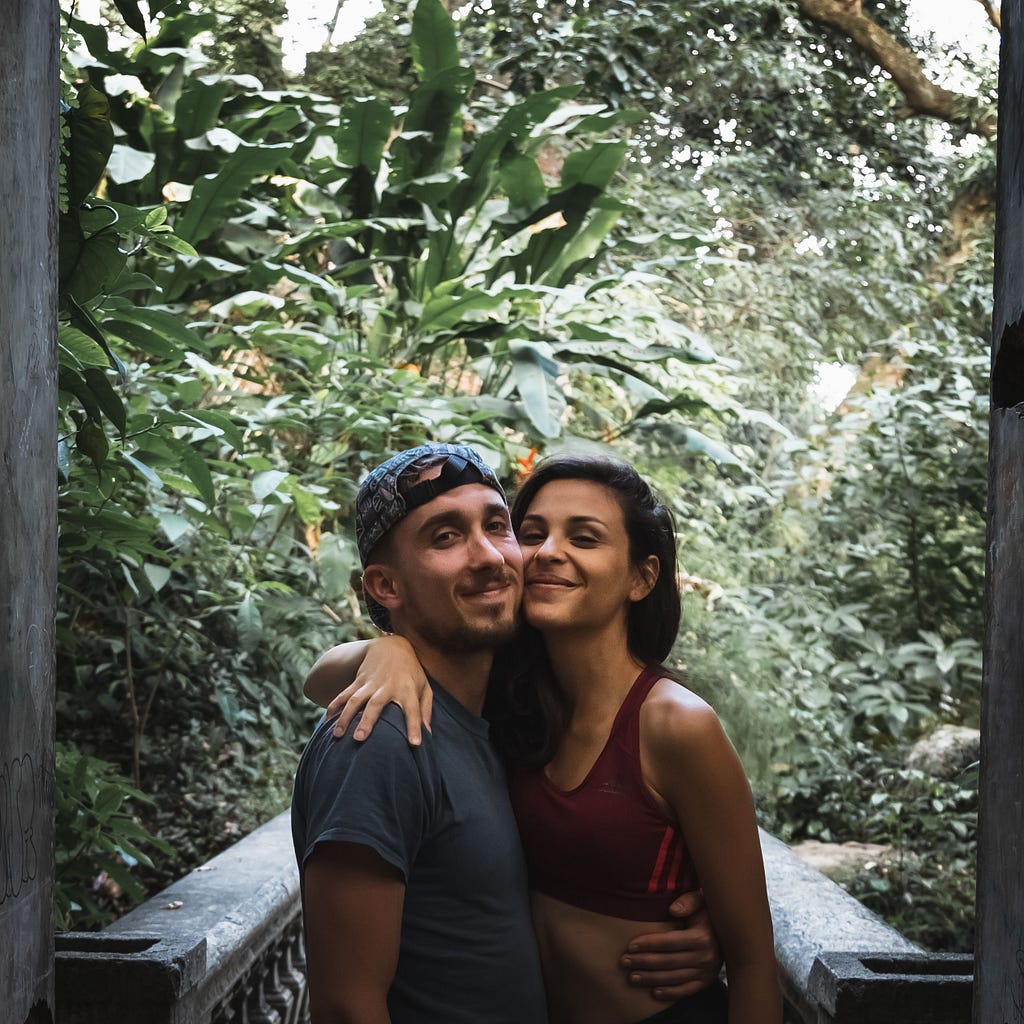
(572, 520)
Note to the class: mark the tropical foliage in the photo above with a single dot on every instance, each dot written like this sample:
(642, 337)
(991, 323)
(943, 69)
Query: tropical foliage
(636, 227)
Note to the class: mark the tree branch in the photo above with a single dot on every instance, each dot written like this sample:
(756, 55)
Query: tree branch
(923, 96)
(994, 14)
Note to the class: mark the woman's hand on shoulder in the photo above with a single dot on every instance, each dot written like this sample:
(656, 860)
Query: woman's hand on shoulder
(367, 675)
(389, 674)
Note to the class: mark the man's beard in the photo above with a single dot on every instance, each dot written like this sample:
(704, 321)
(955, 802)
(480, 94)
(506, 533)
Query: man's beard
(466, 638)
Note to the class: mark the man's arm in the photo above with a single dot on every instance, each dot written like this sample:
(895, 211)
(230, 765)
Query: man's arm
(352, 905)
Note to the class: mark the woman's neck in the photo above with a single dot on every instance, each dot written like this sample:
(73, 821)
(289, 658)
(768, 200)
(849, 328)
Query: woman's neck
(594, 672)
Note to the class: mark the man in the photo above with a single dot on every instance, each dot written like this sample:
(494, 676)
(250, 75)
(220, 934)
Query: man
(414, 888)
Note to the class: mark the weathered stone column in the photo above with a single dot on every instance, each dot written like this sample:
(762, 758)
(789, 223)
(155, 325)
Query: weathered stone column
(29, 112)
(999, 944)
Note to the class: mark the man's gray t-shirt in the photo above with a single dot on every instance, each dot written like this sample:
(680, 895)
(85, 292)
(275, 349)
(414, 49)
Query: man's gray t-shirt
(439, 813)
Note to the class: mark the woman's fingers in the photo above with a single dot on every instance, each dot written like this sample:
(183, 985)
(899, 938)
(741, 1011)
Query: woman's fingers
(374, 706)
(372, 703)
(338, 704)
(426, 708)
(347, 705)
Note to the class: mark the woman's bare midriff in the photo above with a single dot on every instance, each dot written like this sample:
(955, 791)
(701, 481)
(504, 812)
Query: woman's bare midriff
(580, 953)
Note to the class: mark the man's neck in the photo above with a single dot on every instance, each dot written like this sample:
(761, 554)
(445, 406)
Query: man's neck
(464, 675)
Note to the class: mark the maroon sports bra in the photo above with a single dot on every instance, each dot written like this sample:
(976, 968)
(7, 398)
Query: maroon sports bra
(605, 846)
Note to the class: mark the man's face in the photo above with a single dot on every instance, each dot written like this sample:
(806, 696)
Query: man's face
(455, 571)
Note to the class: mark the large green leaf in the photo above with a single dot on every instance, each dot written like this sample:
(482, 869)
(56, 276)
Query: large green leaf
(215, 195)
(523, 184)
(89, 265)
(534, 375)
(595, 166)
(584, 244)
(192, 465)
(153, 331)
(77, 349)
(199, 105)
(432, 130)
(444, 311)
(503, 144)
(132, 14)
(90, 142)
(433, 39)
(365, 126)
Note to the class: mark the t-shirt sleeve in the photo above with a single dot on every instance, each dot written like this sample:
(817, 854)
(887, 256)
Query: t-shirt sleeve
(378, 793)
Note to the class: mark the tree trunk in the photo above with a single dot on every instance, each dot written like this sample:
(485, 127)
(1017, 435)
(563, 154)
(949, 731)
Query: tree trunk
(29, 112)
(999, 945)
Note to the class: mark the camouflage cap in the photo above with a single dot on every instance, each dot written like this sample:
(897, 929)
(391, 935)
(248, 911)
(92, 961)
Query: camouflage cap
(381, 503)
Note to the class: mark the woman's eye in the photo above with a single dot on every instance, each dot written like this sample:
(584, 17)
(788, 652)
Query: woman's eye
(584, 539)
(531, 538)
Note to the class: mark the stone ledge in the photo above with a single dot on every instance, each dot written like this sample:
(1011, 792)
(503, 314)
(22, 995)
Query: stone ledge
(812, 915)
(185, 950)
(921, 988)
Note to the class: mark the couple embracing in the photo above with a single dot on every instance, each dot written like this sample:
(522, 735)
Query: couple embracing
(568, 794)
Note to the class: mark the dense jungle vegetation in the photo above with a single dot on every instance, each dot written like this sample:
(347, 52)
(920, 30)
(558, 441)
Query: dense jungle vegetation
(644, 228)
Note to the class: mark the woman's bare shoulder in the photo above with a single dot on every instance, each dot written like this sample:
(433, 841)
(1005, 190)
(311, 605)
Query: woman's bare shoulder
(674, 716)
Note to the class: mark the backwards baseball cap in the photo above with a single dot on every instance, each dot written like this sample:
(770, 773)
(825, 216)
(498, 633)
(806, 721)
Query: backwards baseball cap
(382, 501)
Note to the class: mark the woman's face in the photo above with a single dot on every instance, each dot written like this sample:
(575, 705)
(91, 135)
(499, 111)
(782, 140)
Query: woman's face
(576, 563)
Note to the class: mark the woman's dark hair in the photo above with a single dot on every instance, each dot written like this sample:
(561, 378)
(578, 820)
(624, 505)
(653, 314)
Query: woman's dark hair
(528, 711)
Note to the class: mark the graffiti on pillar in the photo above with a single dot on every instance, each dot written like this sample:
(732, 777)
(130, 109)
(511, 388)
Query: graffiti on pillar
(19, 815)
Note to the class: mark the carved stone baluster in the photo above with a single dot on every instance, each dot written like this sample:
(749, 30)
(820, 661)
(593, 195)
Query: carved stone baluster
(299, 964)
(279, 997)
(291, 979)
(258, 1010)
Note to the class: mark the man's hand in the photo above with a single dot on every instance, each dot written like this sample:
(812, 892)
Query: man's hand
(678, 963)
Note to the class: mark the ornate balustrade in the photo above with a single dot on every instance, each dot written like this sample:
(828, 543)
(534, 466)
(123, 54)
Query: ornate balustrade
(224, 946)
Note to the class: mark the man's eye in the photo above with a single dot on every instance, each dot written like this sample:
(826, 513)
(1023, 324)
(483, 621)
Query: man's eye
(445, 537)
(499, 526)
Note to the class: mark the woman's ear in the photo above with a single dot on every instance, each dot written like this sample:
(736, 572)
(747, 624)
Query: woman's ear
(379, 582)
(646, 575)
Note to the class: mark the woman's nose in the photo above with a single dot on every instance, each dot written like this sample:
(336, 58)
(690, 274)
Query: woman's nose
(551, 548)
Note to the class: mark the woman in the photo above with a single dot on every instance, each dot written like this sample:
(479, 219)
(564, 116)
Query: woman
(624, 785)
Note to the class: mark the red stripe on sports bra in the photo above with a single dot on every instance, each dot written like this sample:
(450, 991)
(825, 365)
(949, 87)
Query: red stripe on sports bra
(677, 859)
(659, 864)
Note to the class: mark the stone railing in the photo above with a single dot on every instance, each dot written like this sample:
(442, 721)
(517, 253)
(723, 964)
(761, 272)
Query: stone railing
(224, 944)
(842, 964)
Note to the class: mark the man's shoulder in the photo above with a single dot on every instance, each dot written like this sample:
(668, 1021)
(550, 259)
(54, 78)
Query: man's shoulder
(387, 740)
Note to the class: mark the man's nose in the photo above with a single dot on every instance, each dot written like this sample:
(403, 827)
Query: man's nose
(485, 553)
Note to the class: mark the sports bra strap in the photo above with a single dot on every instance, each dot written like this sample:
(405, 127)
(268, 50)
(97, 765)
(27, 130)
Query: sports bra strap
(627, 721)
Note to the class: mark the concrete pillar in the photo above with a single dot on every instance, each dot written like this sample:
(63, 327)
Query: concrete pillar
(999, 943)
(29, 111)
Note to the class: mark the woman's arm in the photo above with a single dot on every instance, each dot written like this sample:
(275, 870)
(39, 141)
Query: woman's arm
(692, 766)
(374, 673)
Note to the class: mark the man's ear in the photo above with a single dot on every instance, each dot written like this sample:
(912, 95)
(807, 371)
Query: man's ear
(380, 583)
(646, 575)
